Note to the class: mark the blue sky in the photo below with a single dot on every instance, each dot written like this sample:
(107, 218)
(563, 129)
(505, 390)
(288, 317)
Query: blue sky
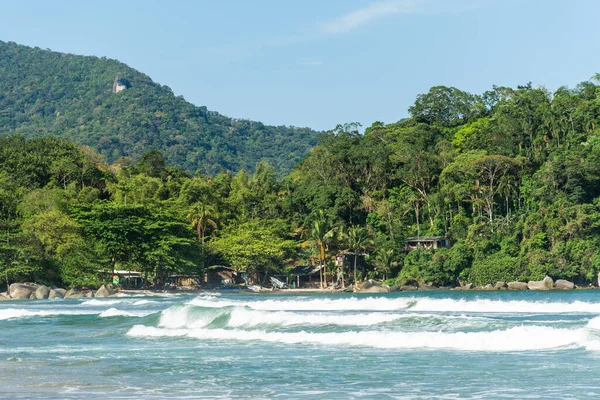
(318, 63)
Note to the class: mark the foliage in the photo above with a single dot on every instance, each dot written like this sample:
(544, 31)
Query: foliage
(512, 176)
(71, 96)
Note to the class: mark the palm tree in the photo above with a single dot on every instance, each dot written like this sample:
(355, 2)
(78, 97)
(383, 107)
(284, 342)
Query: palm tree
(202, 216)
(320, 233)
(384, 259)
(357, 238)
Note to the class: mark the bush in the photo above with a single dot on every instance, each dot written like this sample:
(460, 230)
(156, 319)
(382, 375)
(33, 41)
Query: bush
(497, 267)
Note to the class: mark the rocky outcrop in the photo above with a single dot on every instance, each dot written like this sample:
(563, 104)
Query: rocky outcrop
(73, 294)
(517, 286)
(563, 284)
(500, 285)
(55, 294)
(466, 286)
(21, 291)
(428, 287)
(545, 284)
(42, 292)
(408, 288)
(489, 286)
(105, 291)
(371, 286)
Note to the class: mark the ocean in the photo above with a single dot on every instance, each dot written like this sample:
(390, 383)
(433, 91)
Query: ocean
(418, 345)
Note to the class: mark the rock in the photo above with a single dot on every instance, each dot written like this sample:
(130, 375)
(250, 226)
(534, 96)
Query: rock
(73, 294)
(55, 294)
(21, 290)
(103, 292)
(563, 284)
(466, 286)
(489, 286)
(545, 284)
(42, 292)
(428, 287)
(517, 286)
(500, 285)
(394, 288)
(4, 297)
(408, 288)
(61, 290)
(89, 293)
(371, 286)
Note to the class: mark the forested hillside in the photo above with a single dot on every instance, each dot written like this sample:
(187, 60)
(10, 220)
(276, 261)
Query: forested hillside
(512, 176)
(48, 93)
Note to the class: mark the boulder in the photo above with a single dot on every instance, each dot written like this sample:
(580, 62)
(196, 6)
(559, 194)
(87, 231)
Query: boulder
(4, 297)
(428, 287)
(371, 286)
(517, 286)
(563, 284)
(107, 290)
(466, 286)
(55, 294)
(500, 285)
(61, 290)
(73, 294)
(408, 288)
(42, 292)
(489, 286)
(545, 284)
(88, 293)
(394, 288)
(21, 290)
(103, 292)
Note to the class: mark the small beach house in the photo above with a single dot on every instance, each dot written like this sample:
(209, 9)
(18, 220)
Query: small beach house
(427, 242)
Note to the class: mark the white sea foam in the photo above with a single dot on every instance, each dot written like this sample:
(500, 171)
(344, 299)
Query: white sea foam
(594, 323)
(97, 302)
(114, 312)
(349, 304)
(499, 306)
(14, 313)
(520, 338)
(143, 302)
(424, 304)
(179, 317)
(241, 317)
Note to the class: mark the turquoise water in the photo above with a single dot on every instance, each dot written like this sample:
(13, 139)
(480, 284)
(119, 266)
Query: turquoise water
(445, 345)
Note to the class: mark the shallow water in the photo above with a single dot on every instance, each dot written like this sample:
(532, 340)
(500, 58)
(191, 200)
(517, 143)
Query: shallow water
(444, 345)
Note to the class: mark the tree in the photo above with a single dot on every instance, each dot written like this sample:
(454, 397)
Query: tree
(491, 170)
(357, 239)
(321, 231)
(254, 247)
(202, 217)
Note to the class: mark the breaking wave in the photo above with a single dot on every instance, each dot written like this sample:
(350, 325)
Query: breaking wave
(513, 339)
(114, 312)
(423, 304)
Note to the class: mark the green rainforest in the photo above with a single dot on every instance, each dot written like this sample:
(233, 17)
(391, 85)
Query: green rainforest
(94, 180)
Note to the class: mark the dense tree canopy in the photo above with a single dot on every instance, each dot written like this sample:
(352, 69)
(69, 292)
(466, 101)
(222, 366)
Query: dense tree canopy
(48, 93)
(512, 176)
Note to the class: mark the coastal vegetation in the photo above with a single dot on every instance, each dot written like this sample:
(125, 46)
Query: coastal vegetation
(511, 176)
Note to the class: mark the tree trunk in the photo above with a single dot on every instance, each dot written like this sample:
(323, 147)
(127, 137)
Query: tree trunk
(355, 279)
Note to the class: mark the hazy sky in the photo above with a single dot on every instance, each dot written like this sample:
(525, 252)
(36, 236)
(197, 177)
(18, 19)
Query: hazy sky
(318, 63)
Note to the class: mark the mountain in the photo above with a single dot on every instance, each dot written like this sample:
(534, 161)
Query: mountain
(120, 112)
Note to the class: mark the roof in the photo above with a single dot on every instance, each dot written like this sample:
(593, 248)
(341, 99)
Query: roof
(425, 238)
(123, 272)
(305, 270)
(213, 267)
